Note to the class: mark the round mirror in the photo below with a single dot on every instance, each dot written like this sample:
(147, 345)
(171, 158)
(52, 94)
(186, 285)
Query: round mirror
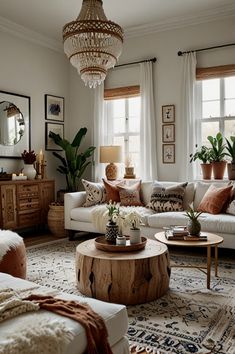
(12, 125)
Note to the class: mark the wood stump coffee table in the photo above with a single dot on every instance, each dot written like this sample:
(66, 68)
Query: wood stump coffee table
(127, 278)
(213, 240)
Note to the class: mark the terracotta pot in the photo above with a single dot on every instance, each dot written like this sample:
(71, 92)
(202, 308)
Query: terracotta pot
(231, 171)
(218, 168)
(206, 170)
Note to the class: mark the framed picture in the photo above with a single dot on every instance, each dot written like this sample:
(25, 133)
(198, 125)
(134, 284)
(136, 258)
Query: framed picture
(168, 133)
(168, 114)
(14, 124)
(54, 108)
(168, 153)
(57, 129)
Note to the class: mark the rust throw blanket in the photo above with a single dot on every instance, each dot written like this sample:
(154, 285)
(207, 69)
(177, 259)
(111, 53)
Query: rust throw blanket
(96, 332)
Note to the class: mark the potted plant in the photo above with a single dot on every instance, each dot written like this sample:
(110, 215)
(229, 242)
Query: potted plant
(134, 221)
(29, 157)
(112, 225)
(217, 155)
(203, 154)
(75, 162)
(193, 226)
(231, 153)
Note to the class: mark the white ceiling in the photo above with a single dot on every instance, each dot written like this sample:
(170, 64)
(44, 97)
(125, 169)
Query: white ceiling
(47, 17)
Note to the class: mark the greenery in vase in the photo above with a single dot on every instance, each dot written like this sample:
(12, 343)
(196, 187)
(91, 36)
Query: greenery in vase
(218, 147)
(231, 148)
(192, 214)
(75, 162)
(203, 154)
(113, 212)
(133, 220)
(29, 157)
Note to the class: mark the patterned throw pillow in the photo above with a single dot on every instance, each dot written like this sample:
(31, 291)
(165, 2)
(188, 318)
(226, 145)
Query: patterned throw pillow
(214, 199)
(130, 196)
(167, 199)
(231, 208)
(112, 192)
(95, 193)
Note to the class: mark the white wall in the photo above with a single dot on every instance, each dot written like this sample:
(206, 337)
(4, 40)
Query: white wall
(163, 45)
(34, 71)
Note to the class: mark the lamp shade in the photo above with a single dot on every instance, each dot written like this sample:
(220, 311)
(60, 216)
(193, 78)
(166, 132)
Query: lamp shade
(111, 153)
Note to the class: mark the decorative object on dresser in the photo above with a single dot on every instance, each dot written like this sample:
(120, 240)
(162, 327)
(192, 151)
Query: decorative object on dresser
(75, 162)
(25, 203)
(15, 124)
(111, 154)
(29, 158)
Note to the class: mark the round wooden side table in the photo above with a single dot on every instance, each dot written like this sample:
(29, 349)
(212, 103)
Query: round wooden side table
(127, 278)
(213, 240)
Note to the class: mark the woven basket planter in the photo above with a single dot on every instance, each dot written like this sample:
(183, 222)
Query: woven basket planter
(55, 220)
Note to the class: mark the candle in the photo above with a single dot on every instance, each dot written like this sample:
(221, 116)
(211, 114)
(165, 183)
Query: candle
(13, 175)
(21, 174)
(41, 157)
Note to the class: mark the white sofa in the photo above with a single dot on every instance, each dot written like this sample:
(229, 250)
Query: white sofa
(78, 218)
(115, 317)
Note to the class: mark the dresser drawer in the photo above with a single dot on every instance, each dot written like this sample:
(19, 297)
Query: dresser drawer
(29, 203)
(28, 190)
(29, 219)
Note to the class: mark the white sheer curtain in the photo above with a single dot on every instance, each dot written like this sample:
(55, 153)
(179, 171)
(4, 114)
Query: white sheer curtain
(148, 152)
(102, 131)
(188, 123)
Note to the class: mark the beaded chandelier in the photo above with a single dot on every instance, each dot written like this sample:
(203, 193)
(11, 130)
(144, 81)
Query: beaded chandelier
(92, 43)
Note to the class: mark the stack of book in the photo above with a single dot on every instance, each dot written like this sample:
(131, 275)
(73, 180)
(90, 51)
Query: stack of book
(181, 233)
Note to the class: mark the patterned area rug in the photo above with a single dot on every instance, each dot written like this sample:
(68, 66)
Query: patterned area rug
(188, 319)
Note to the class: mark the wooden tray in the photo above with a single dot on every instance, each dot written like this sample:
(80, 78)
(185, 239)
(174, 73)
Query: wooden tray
(103, 245)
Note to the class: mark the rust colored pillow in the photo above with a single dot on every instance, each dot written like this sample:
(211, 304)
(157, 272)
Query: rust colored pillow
(130, 196)
(112, 192)
(214, 199)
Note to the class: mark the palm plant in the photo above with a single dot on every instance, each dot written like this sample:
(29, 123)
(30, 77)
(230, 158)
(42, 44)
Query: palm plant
(192, 214)
(75, 162)
(217, 150)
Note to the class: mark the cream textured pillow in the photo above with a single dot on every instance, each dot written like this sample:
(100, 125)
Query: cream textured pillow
(231, 208)
(95, 193)
(167, 199)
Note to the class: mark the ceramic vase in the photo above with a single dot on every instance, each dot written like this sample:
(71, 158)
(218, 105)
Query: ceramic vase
(29, 171)
(135, 236)
(111, 232)
(194, 227)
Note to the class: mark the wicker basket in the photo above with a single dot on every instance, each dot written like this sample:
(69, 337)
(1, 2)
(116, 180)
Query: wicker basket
(55, 220)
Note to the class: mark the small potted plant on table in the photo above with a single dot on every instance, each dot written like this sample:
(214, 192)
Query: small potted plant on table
(231, 153)
(134, 221)
(193, 226)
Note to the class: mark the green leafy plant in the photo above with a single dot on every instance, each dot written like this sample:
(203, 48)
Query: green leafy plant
(192, 214)
(75, 162)
(113, 212)
(203, 154)
(133, 220)
(218, 147)
(29, 157)
(231, 148)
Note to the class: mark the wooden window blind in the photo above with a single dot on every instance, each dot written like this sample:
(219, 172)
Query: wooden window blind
(121, 92)
(215, 72)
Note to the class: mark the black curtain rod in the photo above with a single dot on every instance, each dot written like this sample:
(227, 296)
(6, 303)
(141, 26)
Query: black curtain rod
(201, 50)
(137, 62)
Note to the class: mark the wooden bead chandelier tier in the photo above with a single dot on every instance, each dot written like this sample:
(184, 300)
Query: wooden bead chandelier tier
(92, 43)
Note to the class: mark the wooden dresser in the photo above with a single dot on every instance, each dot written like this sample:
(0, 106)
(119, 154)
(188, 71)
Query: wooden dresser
(25, 203)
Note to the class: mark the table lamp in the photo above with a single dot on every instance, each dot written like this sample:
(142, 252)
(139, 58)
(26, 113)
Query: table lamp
(110, 154)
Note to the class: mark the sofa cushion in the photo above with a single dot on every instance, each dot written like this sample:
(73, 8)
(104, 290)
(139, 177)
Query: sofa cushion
(112, 192)
(231, 208)
(165, 199)
(95, 193)
(214, 199)
(160, 220)
(130, 195)
(201, 188)
(82, 214)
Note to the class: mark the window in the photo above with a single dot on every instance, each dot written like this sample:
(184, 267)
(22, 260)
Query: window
(124, 124)
(216, 107)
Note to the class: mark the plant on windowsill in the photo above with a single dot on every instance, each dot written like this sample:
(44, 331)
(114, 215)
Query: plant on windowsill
(75, 162)
(203, 154)
(193, 226)
(217, 155)
(230, 147)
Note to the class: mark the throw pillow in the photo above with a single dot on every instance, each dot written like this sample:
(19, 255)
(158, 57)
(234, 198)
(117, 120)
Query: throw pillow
(214, 199)
(231, 208)
(112, 192)
(95, 193)
(130, 196)
(164, 199)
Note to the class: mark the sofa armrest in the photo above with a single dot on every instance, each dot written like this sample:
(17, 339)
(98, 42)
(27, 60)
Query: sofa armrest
(71, 201)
